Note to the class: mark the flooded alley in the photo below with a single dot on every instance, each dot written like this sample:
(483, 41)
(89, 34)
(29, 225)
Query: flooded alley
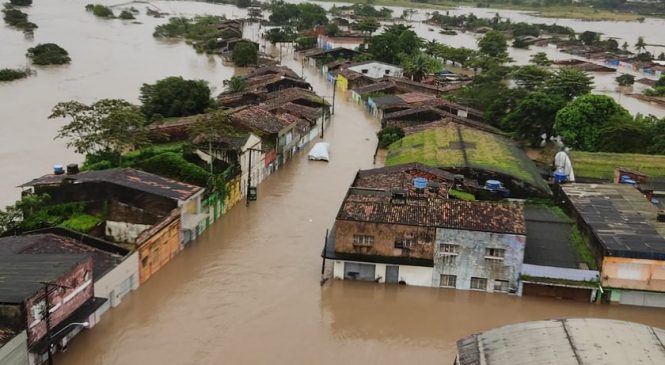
(248, 290)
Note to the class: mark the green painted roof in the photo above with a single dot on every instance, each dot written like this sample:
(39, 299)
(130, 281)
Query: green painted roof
(459, 147)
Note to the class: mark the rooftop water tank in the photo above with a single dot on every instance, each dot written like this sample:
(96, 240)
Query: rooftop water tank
(625, 179)
(493, 185)
(420, 183)
(58, 169)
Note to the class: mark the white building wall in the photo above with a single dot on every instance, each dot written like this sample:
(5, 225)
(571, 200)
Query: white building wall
(411, 275)
(123, 231)
(377, 70)
(111, 284)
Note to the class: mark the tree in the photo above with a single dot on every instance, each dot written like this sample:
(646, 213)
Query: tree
(332, 30)
(126, 15)
(175, 97)
(420, 65)
(493, 44)
(236, 84)
(640, 45)
(100, 10)
(245, 54)
(283, 34)
(389, 135)
(580, 124)
(396, 40)
(533, 116)
(108, 125)
(367, 25)
(625, 46)
(661, 56)
(625, 80)
(12, 217)
(21, 2)
(311, 15)
(18, 19)
(48, 54)
(244, 3)
(530, 77)
(569, 83)
(589, 38)
(540, 59)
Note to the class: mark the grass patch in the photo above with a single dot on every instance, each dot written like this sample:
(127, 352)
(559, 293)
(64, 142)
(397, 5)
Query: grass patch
(484, 151)
(601, 165)
(461, 195)
(81, 222)
(587, 13)
(582, 249)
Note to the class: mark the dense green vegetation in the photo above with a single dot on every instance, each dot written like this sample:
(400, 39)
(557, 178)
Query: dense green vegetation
(601, 165)
(394, 43)
(389, 135)
(300, 16)
(126, 15)
(21, 2)
(658, 89)
(200, 31)
(236, 84)
(17, 19)
(245, 54)
(48, 54)
(100, 10)
(82, 222)
(35, 212)
(174, 97)
(362, 11)
(10, 74)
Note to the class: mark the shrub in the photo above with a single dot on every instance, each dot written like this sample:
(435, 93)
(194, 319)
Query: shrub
(174, 166)
(8, 74)
(81, 222)
(21, 2)
(48, 54)
(126, 15)
(245, 54)
(18, 19)
(100, 10)
(388, 136)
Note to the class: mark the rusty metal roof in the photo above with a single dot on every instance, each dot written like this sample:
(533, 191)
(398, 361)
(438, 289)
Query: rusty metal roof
(370, 205)
(127, 177)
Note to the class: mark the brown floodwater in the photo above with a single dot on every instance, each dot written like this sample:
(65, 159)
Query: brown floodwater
(247, 291)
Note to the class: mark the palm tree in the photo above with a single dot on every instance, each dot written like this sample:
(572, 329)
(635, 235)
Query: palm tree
(640, 46)
(420, 65)
(431, 48)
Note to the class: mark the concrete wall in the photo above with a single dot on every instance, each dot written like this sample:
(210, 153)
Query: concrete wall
(411, 275)
(109, 285)
(627, 273)
(471, 260)
(123, 231)
(385, 236)
(15, 352)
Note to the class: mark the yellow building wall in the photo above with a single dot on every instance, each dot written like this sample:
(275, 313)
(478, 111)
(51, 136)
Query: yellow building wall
(233, 194)
(627, 273)
(342, 83)
(158, 250)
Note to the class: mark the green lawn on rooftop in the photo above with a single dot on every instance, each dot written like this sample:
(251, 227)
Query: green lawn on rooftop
(601, 165)
(484, 151)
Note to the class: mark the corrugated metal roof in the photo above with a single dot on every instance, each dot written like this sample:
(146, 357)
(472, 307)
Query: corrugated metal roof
(565, 342)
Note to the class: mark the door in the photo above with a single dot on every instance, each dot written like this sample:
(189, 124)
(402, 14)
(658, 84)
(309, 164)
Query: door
(392, 274)
(358, 271)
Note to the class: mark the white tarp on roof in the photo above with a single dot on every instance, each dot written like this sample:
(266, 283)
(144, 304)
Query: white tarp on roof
(320, 152)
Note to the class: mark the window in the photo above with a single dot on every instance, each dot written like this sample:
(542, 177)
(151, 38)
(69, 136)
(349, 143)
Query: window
(495, 253)
(38, 310)
(479, 283)
(405, 243)
(448, 249)
(501, 285)
(144, 261)
(387, 72)
(363, 240)
(364, 70)
(448, 281)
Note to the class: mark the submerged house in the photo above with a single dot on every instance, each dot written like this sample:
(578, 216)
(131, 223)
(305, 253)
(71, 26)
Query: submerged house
(397, 237)
(151, 214)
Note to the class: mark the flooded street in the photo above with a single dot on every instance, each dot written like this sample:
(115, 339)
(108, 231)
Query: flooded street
(247, 291)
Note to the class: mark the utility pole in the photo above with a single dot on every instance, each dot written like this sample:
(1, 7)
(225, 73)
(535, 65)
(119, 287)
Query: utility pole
(334, 91)
(249, 173)
(47, 316)
(323, 114)
(280, 52)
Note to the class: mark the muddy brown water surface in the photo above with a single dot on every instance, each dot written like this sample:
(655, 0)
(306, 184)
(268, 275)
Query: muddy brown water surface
(248, 291)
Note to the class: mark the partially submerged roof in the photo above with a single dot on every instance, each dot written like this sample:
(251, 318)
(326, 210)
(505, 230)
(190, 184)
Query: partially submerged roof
(21, 275)
(374, 206)
(127, 177)
(454, 146)
(621, 219)
(257, 119)
(571, 341)
(39, 244)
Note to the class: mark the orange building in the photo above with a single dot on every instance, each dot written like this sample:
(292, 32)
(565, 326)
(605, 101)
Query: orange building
(158, 245)
(627, 239)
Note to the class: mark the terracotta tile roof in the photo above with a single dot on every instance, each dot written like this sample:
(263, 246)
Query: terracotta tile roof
(130, 178)
(257, 119)
(415, 97)
(413, 112)
(401, 177)
(274, 70)
(281, 97)
(350, 74)
(376, 207)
